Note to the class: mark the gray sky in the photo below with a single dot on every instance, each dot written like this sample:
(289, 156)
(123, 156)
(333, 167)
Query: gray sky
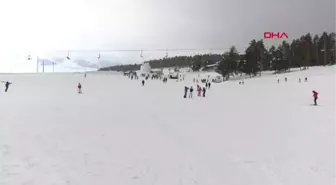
(42, 27)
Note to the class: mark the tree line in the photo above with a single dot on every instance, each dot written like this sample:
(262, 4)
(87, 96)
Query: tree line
(302, 52)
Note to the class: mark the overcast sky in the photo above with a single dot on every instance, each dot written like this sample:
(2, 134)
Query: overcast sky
(47, 27)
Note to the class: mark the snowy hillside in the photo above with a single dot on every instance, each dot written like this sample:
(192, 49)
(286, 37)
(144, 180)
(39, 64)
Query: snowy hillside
(120, 133)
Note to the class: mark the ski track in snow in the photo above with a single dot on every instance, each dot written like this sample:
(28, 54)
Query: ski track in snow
(118, 132)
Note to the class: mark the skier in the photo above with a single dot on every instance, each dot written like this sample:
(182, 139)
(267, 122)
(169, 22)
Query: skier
(278, 81)
(204, 90)
(209, 84)
(79, 88)
(199, 90)
(191, 92)
(143, 82)
(85, 75)
(243, 82)
(185, 91)
(6, 85)
(306, 79)
(299, 80)
(286, 79)
(315, 95)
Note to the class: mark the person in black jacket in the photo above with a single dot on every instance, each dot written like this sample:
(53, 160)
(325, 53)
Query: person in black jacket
(191, 92)
(204, 90)
(7, 83)
(185, 91)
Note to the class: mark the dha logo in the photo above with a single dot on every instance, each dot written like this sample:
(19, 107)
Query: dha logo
(271, 35)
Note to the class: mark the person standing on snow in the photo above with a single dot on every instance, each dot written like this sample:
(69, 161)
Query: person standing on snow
(199, 90)
(315, 95)
(7, 83)
(191, 92)
(79, 88)
(204, 90)
(185, 91)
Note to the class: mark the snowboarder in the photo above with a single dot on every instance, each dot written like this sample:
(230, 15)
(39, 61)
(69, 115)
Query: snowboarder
(143, 82)
(79, 86)
(315, 95)
(204, 90)
(185, 91)
(6, 85)
(191, 92)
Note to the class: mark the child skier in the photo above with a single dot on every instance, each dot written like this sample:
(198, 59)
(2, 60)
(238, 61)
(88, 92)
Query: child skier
(315, 95)
(79, 88)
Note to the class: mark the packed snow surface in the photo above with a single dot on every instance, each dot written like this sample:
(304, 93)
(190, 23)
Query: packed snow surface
(120, 133)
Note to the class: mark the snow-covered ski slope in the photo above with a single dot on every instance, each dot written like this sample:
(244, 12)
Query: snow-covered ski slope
(120, 133)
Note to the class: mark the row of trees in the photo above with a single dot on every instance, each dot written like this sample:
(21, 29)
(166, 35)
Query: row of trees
(303, 52)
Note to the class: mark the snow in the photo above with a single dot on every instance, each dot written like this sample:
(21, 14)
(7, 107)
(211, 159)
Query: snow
(118, 132)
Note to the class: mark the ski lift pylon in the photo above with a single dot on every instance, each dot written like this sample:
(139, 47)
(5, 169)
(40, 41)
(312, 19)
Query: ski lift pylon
(141, 54)
(68, 57)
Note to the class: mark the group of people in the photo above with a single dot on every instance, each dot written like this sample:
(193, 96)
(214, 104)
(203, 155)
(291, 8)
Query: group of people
(200, 91)
(306, 80)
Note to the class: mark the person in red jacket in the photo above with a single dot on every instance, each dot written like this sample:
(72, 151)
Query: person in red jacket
(315, 95)
(79, 88)
(199, 90)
